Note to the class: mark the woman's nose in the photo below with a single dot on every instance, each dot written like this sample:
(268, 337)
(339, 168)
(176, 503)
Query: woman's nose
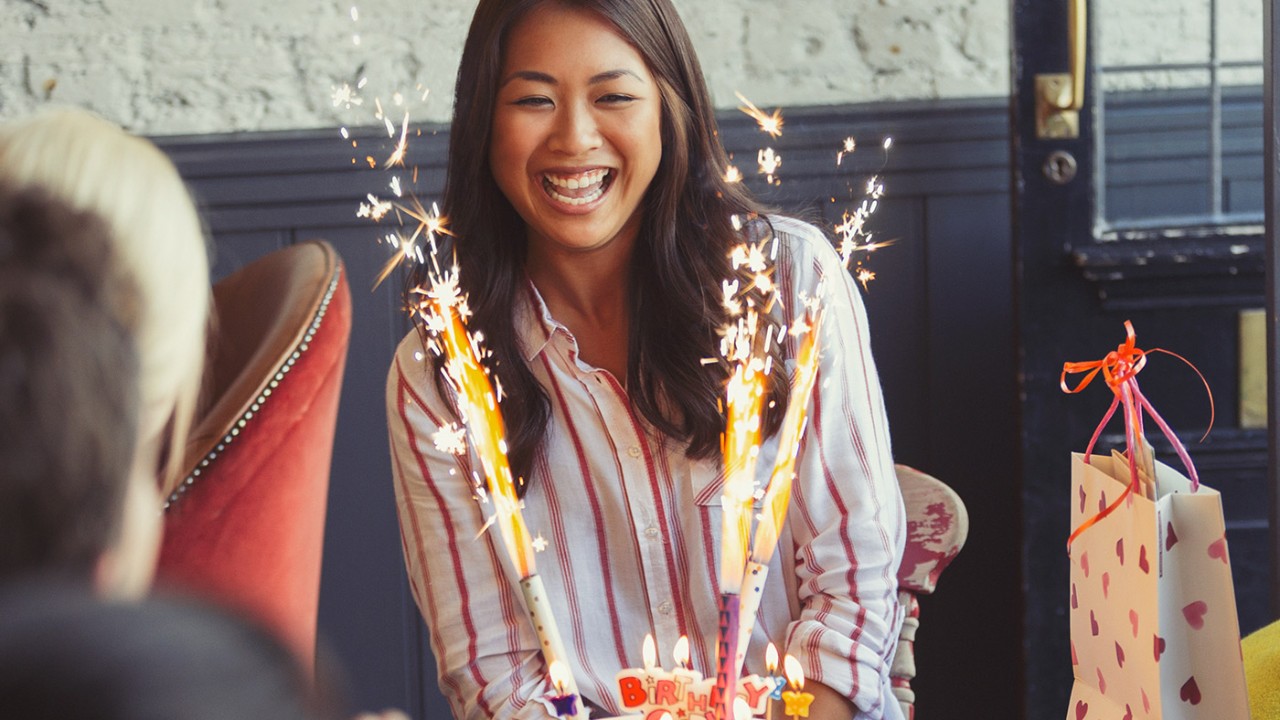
(575, 131)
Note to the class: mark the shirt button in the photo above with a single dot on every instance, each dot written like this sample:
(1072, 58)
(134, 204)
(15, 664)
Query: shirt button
(651, 532)
(665, 608)
(634, 451)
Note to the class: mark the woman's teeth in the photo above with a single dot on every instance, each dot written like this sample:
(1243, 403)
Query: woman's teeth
(576, 189)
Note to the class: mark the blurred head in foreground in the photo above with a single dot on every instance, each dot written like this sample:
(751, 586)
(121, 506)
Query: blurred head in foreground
(66, 655)
(94, 165)
(69, 502)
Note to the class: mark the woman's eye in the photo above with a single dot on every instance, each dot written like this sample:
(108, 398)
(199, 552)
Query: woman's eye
(536, 101)
(616, 99)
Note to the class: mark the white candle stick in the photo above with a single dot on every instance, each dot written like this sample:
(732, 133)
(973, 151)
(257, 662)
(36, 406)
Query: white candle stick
(544, 624)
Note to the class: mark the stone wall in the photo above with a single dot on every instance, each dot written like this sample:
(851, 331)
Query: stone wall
(207, 66)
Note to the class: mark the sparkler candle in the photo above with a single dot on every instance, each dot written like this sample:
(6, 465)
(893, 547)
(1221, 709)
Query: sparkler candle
(443, 309)
(795, 700)
(745, 396)
(777, 497)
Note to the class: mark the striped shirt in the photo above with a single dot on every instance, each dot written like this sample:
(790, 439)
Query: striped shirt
(632, 525)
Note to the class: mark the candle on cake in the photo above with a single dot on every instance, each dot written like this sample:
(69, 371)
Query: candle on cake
(565, 703)
(796, 701)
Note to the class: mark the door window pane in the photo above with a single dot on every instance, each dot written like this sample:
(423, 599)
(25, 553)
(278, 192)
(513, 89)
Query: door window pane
(1179, 121)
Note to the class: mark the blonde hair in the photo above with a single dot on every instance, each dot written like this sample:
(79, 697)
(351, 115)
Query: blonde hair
(95, 165)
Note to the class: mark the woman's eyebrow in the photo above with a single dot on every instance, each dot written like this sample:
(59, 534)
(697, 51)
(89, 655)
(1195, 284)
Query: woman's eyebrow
(541, 77)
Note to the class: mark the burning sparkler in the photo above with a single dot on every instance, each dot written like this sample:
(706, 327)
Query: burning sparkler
(443, 309)
(777, 497)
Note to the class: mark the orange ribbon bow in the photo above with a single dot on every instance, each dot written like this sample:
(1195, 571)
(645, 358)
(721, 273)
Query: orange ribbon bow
(1119, 369)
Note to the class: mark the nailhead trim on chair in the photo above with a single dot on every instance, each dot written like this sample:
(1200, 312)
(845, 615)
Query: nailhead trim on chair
(261, 400)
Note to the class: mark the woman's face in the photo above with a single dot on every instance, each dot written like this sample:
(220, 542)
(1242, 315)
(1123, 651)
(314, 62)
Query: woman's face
(576, 131)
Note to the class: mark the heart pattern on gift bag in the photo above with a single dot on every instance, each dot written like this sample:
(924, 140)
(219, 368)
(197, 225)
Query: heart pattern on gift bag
(1218, 550)
(1194, 613)
(1190, 692)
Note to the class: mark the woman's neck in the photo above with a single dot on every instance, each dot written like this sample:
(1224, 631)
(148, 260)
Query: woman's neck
(590, 294)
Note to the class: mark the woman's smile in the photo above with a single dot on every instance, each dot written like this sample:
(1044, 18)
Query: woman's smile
(577, 190)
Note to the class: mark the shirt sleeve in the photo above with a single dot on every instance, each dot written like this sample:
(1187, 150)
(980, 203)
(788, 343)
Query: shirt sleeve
(848, 522)
(488, 663)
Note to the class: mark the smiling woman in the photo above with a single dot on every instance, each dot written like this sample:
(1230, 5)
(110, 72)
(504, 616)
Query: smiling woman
(594, 228)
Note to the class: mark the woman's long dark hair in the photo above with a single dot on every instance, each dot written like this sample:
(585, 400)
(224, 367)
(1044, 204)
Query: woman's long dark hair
(681, 255)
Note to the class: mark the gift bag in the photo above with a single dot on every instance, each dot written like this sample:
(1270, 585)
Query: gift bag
(1154, 631)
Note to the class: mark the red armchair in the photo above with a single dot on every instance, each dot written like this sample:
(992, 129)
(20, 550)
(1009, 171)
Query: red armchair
(246, 526)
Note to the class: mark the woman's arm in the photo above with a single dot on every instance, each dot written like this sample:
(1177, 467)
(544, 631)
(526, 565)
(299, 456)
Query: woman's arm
(847, 518)
(487, 657)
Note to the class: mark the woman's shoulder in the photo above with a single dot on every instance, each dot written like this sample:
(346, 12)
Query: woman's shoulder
(411, 368)
(807, 247)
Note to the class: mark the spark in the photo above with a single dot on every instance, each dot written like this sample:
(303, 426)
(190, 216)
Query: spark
(375, 209)
(345, 135)
(850, 144)
(451, 439)
(395, 186)
(865, 276)
(355, 39)
(539, 543)
(750, 256)
(769, 162)
(346, 97)
(731, 303)
(429, 226)
(355, 14)
(771, 124)
(733, 175)
(402, 145)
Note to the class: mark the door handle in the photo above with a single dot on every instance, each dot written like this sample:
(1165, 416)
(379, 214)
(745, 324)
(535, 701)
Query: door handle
(1060, 96)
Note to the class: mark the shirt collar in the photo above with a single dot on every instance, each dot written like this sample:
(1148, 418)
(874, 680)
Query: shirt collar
(533, 321)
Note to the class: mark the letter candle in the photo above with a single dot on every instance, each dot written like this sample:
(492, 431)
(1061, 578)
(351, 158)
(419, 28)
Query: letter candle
(797, 702)
(771, 666)
(777, 497)
(649, 691)
(684, 675)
